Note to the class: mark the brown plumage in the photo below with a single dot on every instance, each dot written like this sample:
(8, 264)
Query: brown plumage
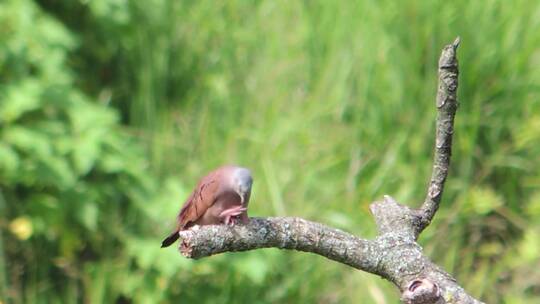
(221, 197)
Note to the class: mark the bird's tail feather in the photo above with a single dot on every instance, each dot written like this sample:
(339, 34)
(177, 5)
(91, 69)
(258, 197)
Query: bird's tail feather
(170, 239)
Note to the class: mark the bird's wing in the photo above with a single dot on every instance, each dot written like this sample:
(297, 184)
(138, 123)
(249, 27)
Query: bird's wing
(199, 201)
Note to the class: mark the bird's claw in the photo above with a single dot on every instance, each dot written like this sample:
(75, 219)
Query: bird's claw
(231, 216)
(231, 220)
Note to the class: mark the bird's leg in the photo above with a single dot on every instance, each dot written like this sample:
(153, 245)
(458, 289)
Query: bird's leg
(230, 214)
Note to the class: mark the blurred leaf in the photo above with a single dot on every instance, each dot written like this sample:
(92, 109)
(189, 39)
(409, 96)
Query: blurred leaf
(55, 170)
(19, 99)
(491, 249)
(167, 202)
(112, 10)
(28, 140)
(255, 265)
(88, 214)
(483, 200)
(529, 248)
(527, 135)
(169, 263)
(85, 152)
(533, 205)
(9, 160)
(148, 254)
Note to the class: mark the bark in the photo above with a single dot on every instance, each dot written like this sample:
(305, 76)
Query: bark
(394, 254)
(447, 104)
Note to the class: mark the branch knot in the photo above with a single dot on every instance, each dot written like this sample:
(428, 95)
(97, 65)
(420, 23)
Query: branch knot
(422, 291)
(392, 217)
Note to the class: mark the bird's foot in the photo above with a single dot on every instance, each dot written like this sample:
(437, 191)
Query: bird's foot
(231, 216)
(241, 218)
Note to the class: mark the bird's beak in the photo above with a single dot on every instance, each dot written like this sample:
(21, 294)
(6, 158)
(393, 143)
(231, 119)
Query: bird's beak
(241, 197)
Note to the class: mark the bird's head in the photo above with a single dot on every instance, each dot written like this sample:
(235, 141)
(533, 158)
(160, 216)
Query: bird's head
(242, 182)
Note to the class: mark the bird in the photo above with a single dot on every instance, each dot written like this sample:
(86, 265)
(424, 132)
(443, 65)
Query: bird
(221, 197)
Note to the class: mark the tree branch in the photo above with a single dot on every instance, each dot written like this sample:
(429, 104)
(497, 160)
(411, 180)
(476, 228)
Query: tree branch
(446, 110)
(283, 233)
(393, 254)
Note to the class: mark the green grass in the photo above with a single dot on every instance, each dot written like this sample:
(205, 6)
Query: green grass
(332, 105)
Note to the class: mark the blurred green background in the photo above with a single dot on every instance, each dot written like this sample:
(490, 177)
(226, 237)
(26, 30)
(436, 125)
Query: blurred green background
(110, 111)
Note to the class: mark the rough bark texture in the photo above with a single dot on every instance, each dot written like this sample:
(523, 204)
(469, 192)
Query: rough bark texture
(447, 104)
(394, 254)
(284, 233)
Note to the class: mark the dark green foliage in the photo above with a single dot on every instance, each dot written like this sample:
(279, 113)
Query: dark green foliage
(75, 190)
(111, 109)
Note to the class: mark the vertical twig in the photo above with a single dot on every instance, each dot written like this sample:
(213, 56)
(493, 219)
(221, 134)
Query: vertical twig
(446, 109)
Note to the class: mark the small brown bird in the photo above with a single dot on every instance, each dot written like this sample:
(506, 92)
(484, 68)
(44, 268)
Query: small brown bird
(221, 197)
